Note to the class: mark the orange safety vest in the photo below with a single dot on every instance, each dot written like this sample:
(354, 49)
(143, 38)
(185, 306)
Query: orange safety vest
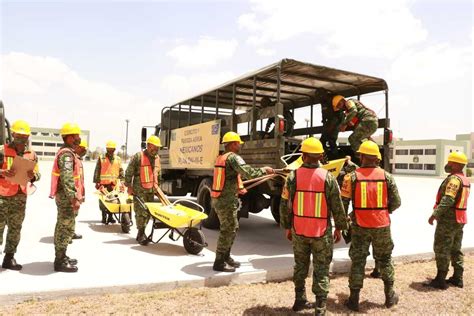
(148, 175)
(109, 172)
(310, 210)
(370, 198)
(461, 203)
(219, 177)
(8, 188)
(78, 178)
(82, 179)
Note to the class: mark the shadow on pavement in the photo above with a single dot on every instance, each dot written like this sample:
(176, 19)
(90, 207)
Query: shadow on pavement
(125, 241)
(269, 310)
(38, 268)
(47, 240)
(202, 269)
(101, 228)
(162, 249)
(418, 286)
(269, 263)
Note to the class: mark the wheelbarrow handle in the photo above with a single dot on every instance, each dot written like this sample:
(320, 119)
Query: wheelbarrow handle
(141, 202)
(192, 202)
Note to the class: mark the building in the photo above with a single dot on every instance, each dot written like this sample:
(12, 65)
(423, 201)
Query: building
(470, 153)
(46, 141)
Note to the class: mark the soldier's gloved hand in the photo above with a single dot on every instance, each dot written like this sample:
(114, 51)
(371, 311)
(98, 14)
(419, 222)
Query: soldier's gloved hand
(342, 128)
(76, 204)
(269, 170)
(431, 219)
(288, 235)
(30, 174)
(97, 186)
(337, 235)
(8, 173)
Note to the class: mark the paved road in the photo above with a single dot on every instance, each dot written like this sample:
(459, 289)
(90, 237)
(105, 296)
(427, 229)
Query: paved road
(111, 261)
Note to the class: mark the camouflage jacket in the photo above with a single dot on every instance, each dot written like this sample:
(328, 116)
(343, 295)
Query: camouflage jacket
(348, 186)
(348, 167)
(132, 174)
(450, 189)
(66, 185)
(98, 166)
(357, 109)
(333, 198)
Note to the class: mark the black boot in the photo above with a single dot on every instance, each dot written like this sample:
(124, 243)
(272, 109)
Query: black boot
(353, 302)
(76, 236)
(61, 264)
(220, 265)
(456, 279)
(230, 261)
(104, 218)
(320, 305)
(71, 261)
(111, 219)
(9, 262)
(391, 298)
(439, 282)
(141, 237)
(375, 273)
(301, 304)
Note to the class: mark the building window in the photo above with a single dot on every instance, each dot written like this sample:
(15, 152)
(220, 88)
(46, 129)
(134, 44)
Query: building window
(56, 134)
(470, 165)
(400, 152)
(50, 144)
(36, 143)
(401, 166)
(416, 166)
(49, 154)
(44, 134)
(430, 166)
(59, 145)
(416, 151)
(34, 133)
(430, 151)
(39, 153)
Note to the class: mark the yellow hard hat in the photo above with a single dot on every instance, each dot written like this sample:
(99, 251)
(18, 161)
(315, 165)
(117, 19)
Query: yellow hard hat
(230, 137)
(111, 144)
(70, 129)
(312, 145)
(83, 143)
(379, 156)
(335, 101)
(21, 127)
(154, 140)
(458, 157)
(369, 148)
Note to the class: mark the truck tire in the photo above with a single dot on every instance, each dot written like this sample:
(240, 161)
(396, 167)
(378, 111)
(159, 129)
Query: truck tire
(204, 199)
(275, 208)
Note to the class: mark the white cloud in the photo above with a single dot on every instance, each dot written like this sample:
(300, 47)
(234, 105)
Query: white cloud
(265, 52)
(368, 28)
(206, 52)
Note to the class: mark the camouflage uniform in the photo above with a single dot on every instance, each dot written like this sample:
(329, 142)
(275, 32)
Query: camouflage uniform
(367, 126)
(132, 179)
(449, 233)
(331, 123)
(66, 192)
(227, 204)
(362, 238)
(321, 248)
(12, 213)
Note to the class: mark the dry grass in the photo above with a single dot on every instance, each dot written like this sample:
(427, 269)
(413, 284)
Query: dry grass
(271, 299)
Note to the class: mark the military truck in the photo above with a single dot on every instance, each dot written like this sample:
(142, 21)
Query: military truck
(5, 134)
(190, 130)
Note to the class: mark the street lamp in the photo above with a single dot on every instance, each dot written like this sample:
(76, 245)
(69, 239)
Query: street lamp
(126, 140)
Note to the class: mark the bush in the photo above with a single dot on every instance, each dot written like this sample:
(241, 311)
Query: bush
(469, 172)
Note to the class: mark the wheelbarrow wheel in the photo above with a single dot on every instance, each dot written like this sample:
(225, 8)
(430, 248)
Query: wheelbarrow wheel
(193, 241)
(125, 223)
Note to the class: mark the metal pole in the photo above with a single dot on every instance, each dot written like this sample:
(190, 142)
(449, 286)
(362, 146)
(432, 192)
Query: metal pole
(254, 112)
(202, 108)
(233, 122)
(126, 140)
(217, 104)
(189, 114)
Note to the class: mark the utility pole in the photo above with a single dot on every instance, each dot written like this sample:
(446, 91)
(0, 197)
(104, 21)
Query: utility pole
(126, 139)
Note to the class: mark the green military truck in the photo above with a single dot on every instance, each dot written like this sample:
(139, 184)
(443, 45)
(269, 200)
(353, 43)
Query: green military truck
(5, 135)
(283, 92)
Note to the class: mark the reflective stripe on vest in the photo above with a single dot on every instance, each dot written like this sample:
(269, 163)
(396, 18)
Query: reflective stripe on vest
(56, 175)
(460, 207)
(370, 198)
(218, 181)
(310, 211)
(109, 172)
(8, 188)
(148, 175)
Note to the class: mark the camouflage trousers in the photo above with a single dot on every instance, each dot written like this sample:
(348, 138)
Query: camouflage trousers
(227, 215)
(12, 214)
(142, 216)
(321, 249)
(364, 130)
(65, 224)
(382, 246)
(447, 246)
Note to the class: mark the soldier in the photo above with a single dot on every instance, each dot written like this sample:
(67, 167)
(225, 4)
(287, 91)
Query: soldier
(67, 188)
(287, 114)
(310, 198)
(12, 195)
(331, 120)
(450, 213)
(227, 185)
(141, 178)
(374, 196)
(108, 171)
(363, 119)
(81, 151)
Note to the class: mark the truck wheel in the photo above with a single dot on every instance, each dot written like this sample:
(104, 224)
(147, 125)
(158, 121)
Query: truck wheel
(275, 208)
(125, 223)
(204, 199)
(193, 241)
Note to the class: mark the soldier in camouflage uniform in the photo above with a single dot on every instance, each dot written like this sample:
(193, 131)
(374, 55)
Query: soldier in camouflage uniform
(226, 187)
(67, 187)
(450, 213)
(300, 228)
(142, 177)
(81, 151)
(331, 120)
(13, 196)
(363, 119)
(374, 196)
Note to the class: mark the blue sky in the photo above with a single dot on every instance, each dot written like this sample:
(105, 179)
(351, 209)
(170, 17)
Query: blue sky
(99, 62)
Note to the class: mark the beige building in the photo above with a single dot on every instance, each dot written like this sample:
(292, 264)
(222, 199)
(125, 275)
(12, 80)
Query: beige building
(46, 141)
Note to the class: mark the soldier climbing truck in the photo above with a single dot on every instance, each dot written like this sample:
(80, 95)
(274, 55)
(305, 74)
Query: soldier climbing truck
(262, 107)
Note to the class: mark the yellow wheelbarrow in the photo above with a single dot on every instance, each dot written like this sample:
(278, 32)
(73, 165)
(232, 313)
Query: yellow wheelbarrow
(120, 205)
(333, 166)
(178, 220)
